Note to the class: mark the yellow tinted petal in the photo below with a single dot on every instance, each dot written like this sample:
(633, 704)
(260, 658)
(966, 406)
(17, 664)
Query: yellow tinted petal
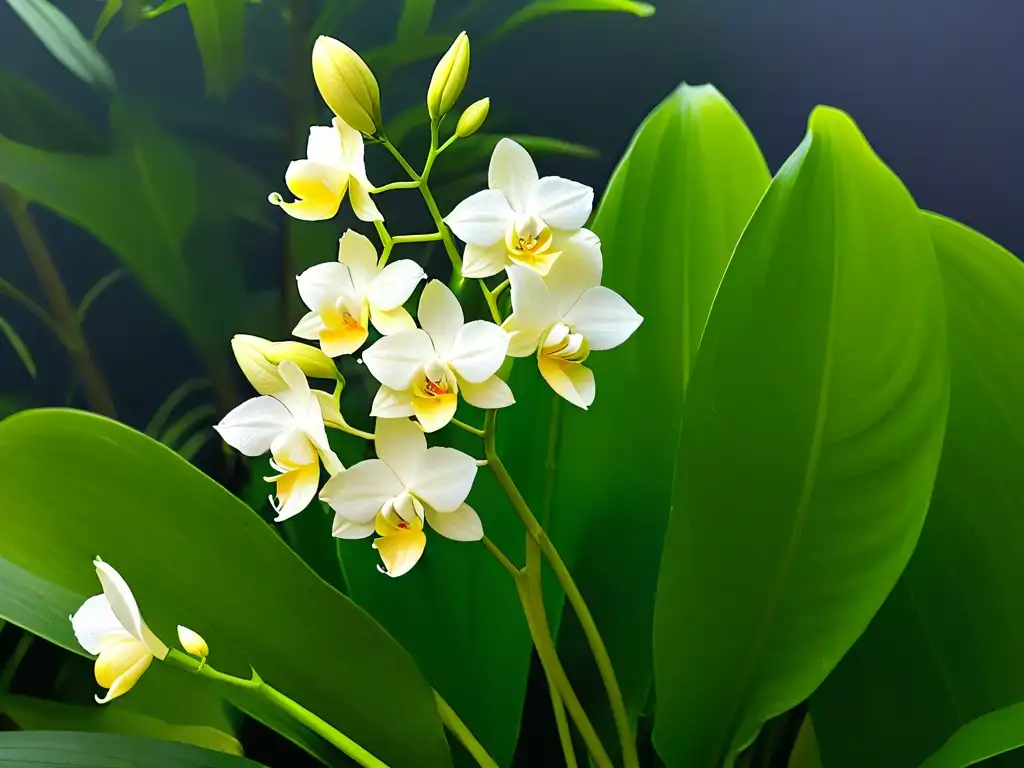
(401, 551)
(435, 412)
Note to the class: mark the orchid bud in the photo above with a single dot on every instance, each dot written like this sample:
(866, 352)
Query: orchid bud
(449, 77)
(193, 642)
(259, 358)
(347, 85)
(473, 117)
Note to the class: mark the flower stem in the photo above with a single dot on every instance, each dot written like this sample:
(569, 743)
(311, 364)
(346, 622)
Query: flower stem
(500, 557)
(572, 592)
(394, 185)
(424, 238)
(467, 428)
(463, 734)
(312, 721)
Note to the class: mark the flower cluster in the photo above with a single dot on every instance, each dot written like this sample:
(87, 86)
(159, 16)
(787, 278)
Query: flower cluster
(529, 227)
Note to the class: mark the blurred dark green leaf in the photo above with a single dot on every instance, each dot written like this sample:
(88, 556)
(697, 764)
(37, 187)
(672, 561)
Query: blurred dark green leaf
(57, 749)
(990, 735)
(29, 115)
(415, 19)
(65, 42)
(693, 160)
(811, 434)
(160, 10)
(201, 558)
(538, 9)
(19, 346)
(946, 647)
(219, 27)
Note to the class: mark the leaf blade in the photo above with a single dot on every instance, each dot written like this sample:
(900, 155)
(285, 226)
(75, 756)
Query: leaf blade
(219, 27)
(57, 749)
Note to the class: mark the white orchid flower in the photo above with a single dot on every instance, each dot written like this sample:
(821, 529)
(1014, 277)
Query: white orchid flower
(344, 294)
(290, 425)
(424, 370)
(566, 316)
(333, 165)
(110, 627)
(394, 494)
(521, 218)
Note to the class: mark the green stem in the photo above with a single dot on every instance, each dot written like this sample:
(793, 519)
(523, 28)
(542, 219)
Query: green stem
(467, 428)
(500, 557)
(463, 734)
(452, 139)
(424, 238)
(312, 721)
(572, 592)
(497, 291)
(491, 304)
(395, 185)
(10, 669)
(401, 160)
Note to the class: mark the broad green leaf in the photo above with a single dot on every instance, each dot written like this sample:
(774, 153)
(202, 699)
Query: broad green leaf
(201, 558)
(668, 222)
(19, 346)
(58, 749)
(65, 42)
(805, 752)
(32, 714)
(538, 9)
(811, 434)
(946, 647)
(29, 115)
(415, 19)
(990, 735)
(219, 27)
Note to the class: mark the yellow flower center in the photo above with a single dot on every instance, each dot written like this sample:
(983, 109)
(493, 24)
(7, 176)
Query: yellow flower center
(562, 343)
(530, 242)
(437, 381)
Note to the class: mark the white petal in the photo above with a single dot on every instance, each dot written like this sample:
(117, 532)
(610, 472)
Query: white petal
(489, 393)
(395, 360)
(478, 351)
(94, 620)
(391, 321)
(391, 403)
(531, 299)
(574, 272)
(299, 490)
(401, 444)
(130, 677)
(357, 253)
(395, 284)
(346, 529)
(440, 315)
(122, 603)
(358, 493)
(309, 326)
(604, 318)
(299, 399)
(563, 204)
(522, 338)
(481, 219)
(252, 426)
(362, 204)
(324, 146)
(322, 285)
(572, 381)
(351, 147)
(400, 551)
(461, 525)
(293, 449)
(484, 260)
(435, 413)
(444, 478)
(512, 171)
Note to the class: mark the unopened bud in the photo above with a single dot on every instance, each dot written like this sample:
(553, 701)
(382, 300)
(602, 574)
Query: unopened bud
(259, 358)
(449, 77)
(347, 84)
(471, 120)
(193, 642)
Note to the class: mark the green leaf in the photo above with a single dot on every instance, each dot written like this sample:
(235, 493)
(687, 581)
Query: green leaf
(32, 714)
(538, 9)
(201, 558)
(160, 10)
(19, 346)
(946, 647)
(29, 115)
(668, 222)
(56, 749)
(219, 27)
(97, 290)
(65, 42)
(415, 19)
(811, 434)
(990, 735)
(110, 9)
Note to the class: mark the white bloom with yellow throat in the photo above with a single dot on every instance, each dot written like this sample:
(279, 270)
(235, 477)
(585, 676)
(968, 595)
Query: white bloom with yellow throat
(424, 370)
(566, 316)
(394, 495)
(290, 424)
(334, 164)
(346, 295)
(521, 219)
(110, 626)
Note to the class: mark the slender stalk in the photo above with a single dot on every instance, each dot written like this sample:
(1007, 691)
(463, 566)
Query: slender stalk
(500, 557)
(491, 304)
(424, 238)
(467, 428)
(41, 314)
(10, 669)
(394, 185)
(463, 734)
(64, 313)
(312, 721)
(579, 605)
(501, 287)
